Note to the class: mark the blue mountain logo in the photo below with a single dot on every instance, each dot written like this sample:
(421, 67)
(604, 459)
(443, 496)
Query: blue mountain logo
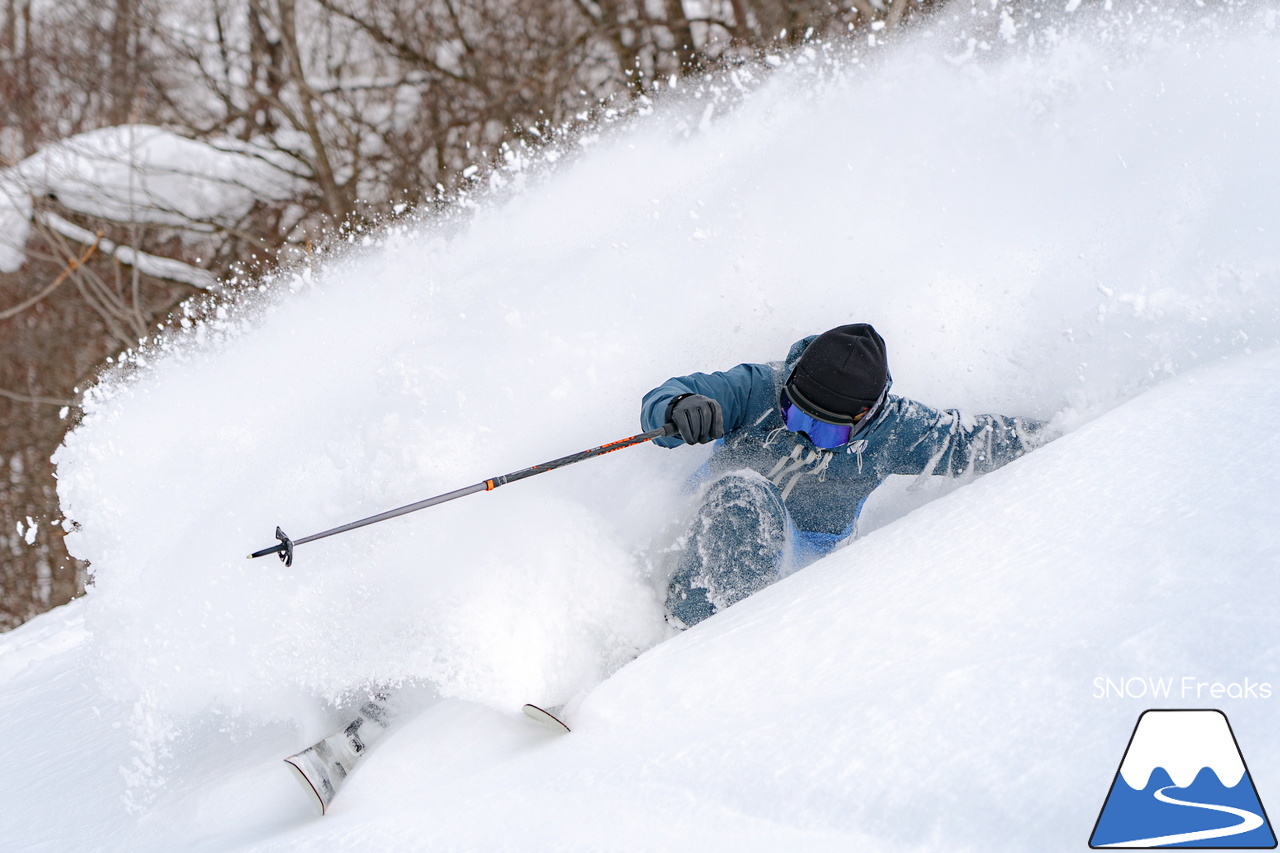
(1183, 783)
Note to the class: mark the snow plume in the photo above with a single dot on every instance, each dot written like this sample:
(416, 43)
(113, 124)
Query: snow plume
(1047, 225)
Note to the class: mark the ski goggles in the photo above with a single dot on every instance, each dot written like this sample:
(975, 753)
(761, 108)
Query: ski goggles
(826, 433)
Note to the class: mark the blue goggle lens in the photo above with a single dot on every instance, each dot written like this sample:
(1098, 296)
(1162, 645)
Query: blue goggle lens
(821, 433)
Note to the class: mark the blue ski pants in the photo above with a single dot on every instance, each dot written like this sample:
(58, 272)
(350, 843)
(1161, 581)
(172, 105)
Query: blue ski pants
(741, 540)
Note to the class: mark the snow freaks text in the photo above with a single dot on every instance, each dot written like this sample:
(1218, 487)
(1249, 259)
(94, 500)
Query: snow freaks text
(1184, 687)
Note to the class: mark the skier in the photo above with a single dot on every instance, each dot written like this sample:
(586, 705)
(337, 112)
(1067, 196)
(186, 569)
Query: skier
(799, 447)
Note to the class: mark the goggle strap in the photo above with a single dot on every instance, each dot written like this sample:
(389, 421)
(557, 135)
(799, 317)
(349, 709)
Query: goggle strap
(821, 414)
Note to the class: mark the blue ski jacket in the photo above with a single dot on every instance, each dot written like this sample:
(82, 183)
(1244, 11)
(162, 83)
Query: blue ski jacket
(824, 490)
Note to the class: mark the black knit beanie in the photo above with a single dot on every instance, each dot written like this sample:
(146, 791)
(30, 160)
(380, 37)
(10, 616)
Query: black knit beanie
(842, 372)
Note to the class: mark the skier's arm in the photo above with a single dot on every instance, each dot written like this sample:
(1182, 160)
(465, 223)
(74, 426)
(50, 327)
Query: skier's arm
(737, 390)
(919, 439)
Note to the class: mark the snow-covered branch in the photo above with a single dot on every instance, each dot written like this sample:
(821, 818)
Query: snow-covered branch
(155, 266)
(138, 174)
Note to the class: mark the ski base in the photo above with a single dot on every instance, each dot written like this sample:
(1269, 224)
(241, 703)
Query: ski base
(547, 718)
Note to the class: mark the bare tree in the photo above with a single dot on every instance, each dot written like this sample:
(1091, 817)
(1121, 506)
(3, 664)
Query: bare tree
(371, 105)
(51, 341)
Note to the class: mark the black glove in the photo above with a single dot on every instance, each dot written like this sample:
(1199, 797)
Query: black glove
(697, 419)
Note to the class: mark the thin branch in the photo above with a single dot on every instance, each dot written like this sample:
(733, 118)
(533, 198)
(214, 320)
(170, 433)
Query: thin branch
(399, 46)
(325, 174)
(737, 34)
(73, 264)
(156, 266)
(24, 398)
(81, 274)
(94, 291)
(864, 8)
(895, 13)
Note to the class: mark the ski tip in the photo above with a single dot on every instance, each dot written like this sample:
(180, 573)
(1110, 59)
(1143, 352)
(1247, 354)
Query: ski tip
(307, 784)
(547, 718)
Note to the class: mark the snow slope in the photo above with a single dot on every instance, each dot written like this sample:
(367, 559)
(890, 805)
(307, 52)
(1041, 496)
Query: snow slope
(1076, 227)
(928, 688)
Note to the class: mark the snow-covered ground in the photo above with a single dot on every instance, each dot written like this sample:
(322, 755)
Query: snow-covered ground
(1081, 229)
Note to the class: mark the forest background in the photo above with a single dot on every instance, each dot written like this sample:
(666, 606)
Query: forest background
(156, 152)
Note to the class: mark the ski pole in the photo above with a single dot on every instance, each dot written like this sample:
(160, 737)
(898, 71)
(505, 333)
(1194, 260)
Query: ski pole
(286, 546)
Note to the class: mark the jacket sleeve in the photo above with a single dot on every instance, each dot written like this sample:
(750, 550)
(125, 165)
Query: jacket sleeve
(740, 391)
(919, 439)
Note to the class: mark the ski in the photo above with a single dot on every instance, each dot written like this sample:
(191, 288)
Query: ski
(323, 767)
(547, 718)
